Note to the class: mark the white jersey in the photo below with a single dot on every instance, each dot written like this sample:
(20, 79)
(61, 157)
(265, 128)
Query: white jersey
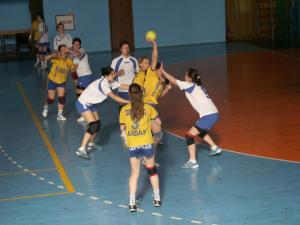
(129, 65)
(198, 98)
(65, 40)
(83, 68)
(97, 91)
(43, 30)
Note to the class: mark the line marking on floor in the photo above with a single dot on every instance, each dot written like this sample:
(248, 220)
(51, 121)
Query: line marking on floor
(89, 197)
(33, 196)
(47, 142)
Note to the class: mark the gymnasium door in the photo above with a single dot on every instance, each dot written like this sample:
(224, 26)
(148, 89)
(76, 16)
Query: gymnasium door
(121, 23)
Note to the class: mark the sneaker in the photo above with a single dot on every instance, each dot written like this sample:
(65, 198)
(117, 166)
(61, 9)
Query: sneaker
(94, 147)
(132, 208)
(214, 152)
(37, 63)
(45, 112)
(190, 165)
(60, 117)
(81, 119)
(82, 153)
(157, 203)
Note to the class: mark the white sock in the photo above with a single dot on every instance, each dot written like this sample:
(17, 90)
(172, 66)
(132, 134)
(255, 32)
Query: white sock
(45, 63)
(59, 112)
(45, 107)
(156, 194)
(132, 199)
(82, 148)
(91, 144)
(193, 160)
(37, 59)
(213, 147)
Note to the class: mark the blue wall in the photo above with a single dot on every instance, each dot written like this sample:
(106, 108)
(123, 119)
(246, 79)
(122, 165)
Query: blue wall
(92, 21)
(179, 22)
(14, 14)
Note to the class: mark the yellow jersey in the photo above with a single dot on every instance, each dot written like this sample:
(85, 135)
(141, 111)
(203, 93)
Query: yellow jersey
(151, 84)
(60, 69)
(138, 133)
(35, 28)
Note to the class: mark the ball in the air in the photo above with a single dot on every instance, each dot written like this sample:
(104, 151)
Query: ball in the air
(151, 35)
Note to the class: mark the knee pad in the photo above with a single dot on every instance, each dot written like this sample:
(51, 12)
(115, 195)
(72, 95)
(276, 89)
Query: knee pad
(202, 132)
(50, 101)
(189, 139)
(74, 75)
(62, 100)
(93, 127)
(158, 135)
(152, 171)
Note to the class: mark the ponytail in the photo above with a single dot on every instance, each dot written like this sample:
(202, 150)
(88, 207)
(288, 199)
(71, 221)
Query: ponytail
(195, 76)
(137, 103)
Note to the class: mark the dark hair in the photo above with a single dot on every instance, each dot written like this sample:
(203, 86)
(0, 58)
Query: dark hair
(137, 103)
(60, 46)
(141, 59)
(59, 24)
(195, 76)
(105, 71)
(158, 65)
(124, 43)
(76, 40)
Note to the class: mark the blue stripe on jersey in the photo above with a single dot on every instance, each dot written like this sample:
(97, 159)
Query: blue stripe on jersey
(134, 64)
(99, 86)
(118, 64)
(190, 89)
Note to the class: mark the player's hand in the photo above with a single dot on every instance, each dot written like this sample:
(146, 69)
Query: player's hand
(121, 72)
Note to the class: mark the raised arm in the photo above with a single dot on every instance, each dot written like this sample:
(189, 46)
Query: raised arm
(154, 55)
(171, 78)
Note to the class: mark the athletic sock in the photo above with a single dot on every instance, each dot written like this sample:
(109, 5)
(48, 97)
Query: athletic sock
(132, 199)
(156, 194)
(193, 160)
(91, 144)
(59, 112)
(213, 147)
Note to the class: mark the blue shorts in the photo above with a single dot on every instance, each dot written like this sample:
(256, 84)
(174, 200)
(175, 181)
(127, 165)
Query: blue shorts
(45, 44)
(83, 108)
(208, 121)
(141, 151)
(52, 85)
(84, 81)
(124, 95)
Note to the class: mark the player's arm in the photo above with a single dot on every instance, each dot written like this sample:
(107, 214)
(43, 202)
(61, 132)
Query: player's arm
(154, 55)
(171, 78)
(117, 98)
(54, 55)
(166, 89)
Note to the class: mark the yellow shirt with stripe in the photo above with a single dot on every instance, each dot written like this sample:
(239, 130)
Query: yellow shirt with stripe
(35, 28)
(60, 69)
(151, 84)
(138, 133)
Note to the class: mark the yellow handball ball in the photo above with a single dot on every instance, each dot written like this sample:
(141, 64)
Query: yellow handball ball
(151, 35)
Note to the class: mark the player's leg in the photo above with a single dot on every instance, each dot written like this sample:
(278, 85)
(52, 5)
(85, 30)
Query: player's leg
(156, 131)
(50, 97)
(61, 102)
(133, 179)
(152, 171)
(91, 145)
(190, 142)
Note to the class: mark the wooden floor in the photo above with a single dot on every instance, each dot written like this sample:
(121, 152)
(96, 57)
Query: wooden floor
(258, 96)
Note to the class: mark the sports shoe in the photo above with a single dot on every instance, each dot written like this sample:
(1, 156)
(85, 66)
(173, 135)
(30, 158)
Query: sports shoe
(94, 147)
(190, 165)
(45, 112)
(60, 117)
(157, 203)
(83, 153)
(81, 119)
(216, 151)
(132, 208)
(37, 63)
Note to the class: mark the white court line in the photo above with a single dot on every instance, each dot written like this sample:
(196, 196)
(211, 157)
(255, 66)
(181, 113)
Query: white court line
(107, 202)
(94, 198)
(41, 178)
(239, 153)
(79, 193)
(123, 206)
(50, 182)
(33, 174)
(196, 222)
(61, 187)
(156, 214)
(176, 218)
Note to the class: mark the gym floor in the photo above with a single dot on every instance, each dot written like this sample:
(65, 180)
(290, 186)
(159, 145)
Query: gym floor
(255, 181)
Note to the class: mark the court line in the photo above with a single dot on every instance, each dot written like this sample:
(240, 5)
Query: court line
(236, 152)
(33, 196)
(46, 141)
(21, 172)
